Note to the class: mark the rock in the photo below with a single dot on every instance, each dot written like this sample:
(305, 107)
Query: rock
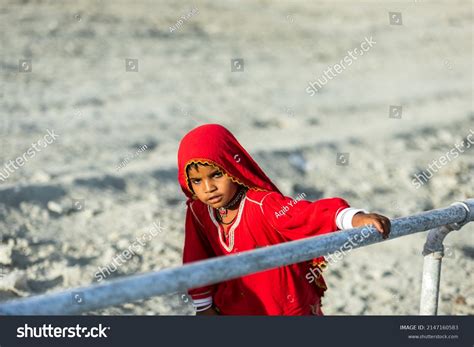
(16, 282)
(55, 207)
(355, 306)
(40, 177)
(6, 254)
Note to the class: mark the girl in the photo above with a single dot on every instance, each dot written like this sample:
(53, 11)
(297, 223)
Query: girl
(234, 207)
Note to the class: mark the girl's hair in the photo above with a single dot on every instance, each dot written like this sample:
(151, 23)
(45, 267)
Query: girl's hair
(194, 166)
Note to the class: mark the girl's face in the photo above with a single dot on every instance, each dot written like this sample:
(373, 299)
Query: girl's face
(211, 186)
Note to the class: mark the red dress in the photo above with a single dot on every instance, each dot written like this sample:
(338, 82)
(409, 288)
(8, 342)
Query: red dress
(265, 218)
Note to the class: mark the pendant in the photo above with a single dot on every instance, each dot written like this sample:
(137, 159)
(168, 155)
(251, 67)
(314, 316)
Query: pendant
(222, 212)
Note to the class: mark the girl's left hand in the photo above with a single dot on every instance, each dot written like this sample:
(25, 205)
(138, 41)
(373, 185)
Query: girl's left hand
(381, 223)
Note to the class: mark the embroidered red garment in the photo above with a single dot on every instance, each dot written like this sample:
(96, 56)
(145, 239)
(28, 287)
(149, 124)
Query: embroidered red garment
(265, 218)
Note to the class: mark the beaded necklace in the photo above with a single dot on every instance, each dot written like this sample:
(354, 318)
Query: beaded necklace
(235, 200)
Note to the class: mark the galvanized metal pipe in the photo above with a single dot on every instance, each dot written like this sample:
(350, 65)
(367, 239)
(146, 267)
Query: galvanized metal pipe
(218, 269)
(430, 284)
(433, 252)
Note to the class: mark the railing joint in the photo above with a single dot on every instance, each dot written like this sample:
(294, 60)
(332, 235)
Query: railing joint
(459, 225)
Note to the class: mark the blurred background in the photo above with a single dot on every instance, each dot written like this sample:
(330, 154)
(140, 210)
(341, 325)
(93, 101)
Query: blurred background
(121, 82)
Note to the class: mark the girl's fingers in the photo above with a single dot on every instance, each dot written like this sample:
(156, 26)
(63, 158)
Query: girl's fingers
(386, 225)
(389, 224)
(382, 227)
(378, 225)
(382, 224)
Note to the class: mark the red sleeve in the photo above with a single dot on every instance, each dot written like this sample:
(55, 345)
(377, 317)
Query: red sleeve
(196, 247)
(296, 219)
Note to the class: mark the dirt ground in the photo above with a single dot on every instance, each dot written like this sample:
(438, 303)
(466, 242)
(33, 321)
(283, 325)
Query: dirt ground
(120, 83)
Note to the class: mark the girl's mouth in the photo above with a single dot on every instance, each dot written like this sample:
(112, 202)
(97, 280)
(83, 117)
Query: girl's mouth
(215, 199)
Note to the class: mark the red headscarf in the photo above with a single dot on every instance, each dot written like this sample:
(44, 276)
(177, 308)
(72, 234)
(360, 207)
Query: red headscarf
(215, 145)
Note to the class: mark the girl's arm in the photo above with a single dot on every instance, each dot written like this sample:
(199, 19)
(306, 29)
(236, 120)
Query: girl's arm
(296, 219)
(197, 247)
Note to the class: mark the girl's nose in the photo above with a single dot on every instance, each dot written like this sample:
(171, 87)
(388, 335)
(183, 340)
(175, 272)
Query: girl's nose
(209, 187)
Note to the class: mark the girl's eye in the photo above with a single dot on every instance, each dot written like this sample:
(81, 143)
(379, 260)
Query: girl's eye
(195, 181)
(218, 174)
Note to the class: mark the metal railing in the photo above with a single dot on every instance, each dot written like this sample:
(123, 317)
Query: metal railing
(177, 280)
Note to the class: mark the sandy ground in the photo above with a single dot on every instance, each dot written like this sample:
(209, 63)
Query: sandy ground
(111, 173)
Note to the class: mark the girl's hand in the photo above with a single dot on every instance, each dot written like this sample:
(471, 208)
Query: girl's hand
(381, 223)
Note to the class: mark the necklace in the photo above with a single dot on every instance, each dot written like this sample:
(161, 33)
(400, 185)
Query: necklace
(221, 221)
(224, 209)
